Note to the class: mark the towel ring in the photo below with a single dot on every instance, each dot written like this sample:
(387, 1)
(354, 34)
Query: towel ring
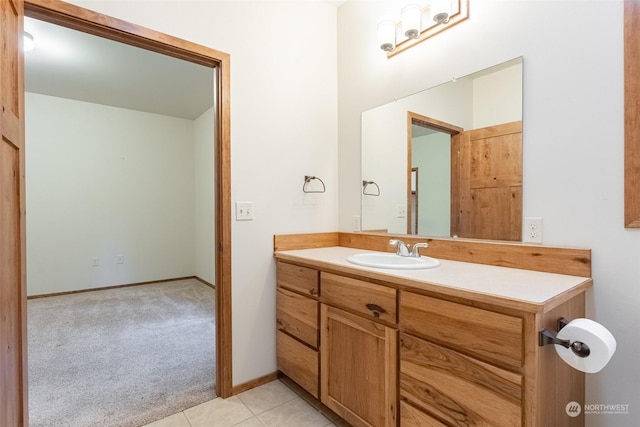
(364, 188)
(308, 179)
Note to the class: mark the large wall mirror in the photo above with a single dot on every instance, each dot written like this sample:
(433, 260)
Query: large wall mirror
(447, 161)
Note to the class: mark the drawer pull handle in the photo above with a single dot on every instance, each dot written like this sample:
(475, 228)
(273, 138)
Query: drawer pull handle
(313, 291)
(376, 309)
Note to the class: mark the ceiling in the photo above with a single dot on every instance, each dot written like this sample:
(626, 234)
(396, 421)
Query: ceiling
(70, 64)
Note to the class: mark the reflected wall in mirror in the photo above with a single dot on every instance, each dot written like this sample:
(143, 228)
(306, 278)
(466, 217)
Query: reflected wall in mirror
(448, 160)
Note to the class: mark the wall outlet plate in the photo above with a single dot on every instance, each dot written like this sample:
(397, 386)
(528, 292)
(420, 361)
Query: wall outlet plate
(355, 223)
(532, 230)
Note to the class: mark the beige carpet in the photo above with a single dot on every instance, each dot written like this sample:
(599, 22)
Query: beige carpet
(120, 357)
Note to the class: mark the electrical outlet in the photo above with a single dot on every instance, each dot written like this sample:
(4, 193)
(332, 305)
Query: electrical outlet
(355, 223)
(402, 211)
(244, 211)
(532, 230)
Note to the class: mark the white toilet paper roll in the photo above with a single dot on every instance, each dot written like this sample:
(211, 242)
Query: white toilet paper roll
(601, 343)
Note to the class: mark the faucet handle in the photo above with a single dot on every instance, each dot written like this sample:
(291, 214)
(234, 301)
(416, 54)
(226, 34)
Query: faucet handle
(402, 247)
(414, 251)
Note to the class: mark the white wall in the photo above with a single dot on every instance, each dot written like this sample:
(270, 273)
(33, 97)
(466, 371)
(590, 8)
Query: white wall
(501, 90)
(283, 127)
(102, 182)
(204, 198)
(573, 139)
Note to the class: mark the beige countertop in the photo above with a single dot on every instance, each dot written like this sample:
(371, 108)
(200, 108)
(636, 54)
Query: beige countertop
(521, 289)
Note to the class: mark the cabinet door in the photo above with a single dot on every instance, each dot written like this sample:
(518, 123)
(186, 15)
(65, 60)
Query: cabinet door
(358, 368)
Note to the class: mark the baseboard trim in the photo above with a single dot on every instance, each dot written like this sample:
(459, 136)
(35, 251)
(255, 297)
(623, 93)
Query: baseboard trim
(126, 285)
(204, 282)
(256, 382)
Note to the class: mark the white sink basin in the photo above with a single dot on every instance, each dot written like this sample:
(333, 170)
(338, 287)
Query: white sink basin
(387, 260)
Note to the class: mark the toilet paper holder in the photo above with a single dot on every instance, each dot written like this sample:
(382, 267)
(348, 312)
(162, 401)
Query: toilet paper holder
(547, 336)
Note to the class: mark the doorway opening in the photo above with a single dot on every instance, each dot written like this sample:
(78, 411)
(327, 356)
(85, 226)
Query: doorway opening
(429, 175)
(90, 22)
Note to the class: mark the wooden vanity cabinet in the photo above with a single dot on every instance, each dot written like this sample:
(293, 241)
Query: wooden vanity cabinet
(337, 338)
(387, 354)
(297, 321)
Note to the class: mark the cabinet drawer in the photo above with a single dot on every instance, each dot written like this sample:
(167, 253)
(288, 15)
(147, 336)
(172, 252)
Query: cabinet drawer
(456, 388)
(490, 336)
(300, 279)
(298, 316)
(298, 362)
(369, 299)
(411, 416)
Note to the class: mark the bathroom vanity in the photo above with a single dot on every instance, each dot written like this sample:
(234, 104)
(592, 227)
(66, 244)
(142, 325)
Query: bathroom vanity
(455, 345)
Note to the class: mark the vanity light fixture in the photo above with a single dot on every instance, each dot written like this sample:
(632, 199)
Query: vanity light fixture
(28, 42)
(387, 34)
(440, 11)
(418, 23)
(410, 16)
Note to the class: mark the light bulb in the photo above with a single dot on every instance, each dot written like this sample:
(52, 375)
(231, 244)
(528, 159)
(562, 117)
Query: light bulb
(387, 35)
(440, 11)
(411, 16)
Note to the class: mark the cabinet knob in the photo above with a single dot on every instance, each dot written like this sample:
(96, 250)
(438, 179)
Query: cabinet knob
(376, 309)
(313, 291)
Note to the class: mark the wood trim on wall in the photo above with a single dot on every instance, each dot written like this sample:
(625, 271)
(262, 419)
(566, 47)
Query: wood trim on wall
(576, 262)
(631, 114)
(289, 242)
(256, 382)
(88, 21)
(124, 285)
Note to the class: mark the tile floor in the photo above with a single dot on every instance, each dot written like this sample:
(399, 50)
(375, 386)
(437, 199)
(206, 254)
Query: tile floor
(279, 403)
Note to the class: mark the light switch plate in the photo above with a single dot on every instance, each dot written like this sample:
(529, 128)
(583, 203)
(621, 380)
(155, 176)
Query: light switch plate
(244, 211)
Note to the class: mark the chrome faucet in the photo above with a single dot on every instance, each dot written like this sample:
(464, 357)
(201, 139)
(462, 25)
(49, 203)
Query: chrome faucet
(414, 251)
(403, 248)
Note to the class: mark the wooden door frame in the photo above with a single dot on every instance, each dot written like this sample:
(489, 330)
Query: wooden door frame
(427, 122)
(631, 114)
(88, 21)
